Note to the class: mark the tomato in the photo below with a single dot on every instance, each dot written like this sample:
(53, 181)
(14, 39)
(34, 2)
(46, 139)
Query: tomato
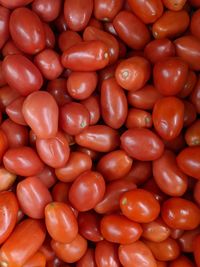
(87, 190)
(136, 254)
(196, 193)
(89, 226)
(100, 138)
(41, 114)
(188, 48)
(166, 250)
(153, 188)
(27, 78)
(80, 85)
(48, 62)
(33, 196)
(50, 37)
(159, 49)
(47, 250)
(170, 24)
(189, 113)
(189, 161)
(196, 250)
(170, 75)
(119, 229)
(93, 106)
(47, 10)
(22, 161)
(195, 96)
(70, 252)
(106, 254)
(131, 30)
(7, 179)
(86, 56)
(189, 85)
(148, 11)
(14, 111)
(87, 259)
(38, 259)
(23, 243)
(182, 261)
(113, 103)
(195, 19)
(92, 33)
(77, 164)
(60, 222)
(60, 192)
(168, 122)
(142, 144)
(14, 3)
(187, 239)
(67, 39)
(7, 95)
(11, 49)
(140, 172)
(161, 264)
(176, 233)
(192, 135)
(138, 118)
(27, 30)
(174, 5)
(4, 29)
(170, 179)
(133, 73)
(180, 213)
(60, 23)
(106, 10)
(139, 205)
(3, 144)
(2, 79)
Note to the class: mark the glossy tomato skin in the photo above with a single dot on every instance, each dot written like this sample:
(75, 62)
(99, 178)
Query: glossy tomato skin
(8, 215)
(195, 96)
(60, 222)
(23, 161)
(7, 95)
(3, 144)
(23, 243)
(47, 176)
(106, 254)
(113, 103)
(192, 135)
(40, 112)
(140, 172)
(27, 78)
(190, 113)
(38, 259)
(186, 240)
(60, 192)
(180, 213)
(138, 118)
(131, 30)
(27, 30)
(136, 254)
(139, 205)
(189, 161)
(194, 22)
(92, 104)
(4, 29)
(106, 10)
(168, 122)
(182, 261)
(86, 56)
(170, 179)
(14, 4)
(189, 85)
(70, 252)
(14, 111)
(100, 138)
(170, 75)
(119, 229)
(33, 196)
(196, 250)
(174, 5)
(87, 190)
(142, 144)
(7, 179)
(67, 39)
(88, 259)
(149, 11)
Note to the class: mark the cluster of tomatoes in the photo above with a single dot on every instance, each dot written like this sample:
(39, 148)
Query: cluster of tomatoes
(99, 134)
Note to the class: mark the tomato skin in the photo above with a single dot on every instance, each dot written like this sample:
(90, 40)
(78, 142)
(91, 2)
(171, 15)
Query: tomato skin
(196, 250)
(168, 122)
(188, 161)
(27, 78)
(119, 229)
(186, 240)
(189, 85)
(139, 205)
(7, 179)
(2, 79)
(67, 39)
(170, 24)
(70, 252)
(50, 37)
(60, 192)
(22, 161)
(27, 30)
(113, 103)
(14, 4)
(86, 56)
(149, 11)
(92, 104)
(180, 213)
(14, 111)
(142, 144)
(140, 172)
(106, 254)
(189, 113)
(166, 250)
(40, 112)
(174, 5)
(11, 49)
(188, 48)
(170, 179)
(23, 243)
(196, 193)
(100, 138)
(60, 222)
(33, 196)
(106, 10)
(3, 144)
(136, 254)
(138, 118)
(192, 134)
(195, 19)
(8, 215)
(170, 75)
(195, 96)
(182, 261)
(38, 259)
(87, 190)
(133, 73)
(87, 260)
(131, 30)
(4, 29)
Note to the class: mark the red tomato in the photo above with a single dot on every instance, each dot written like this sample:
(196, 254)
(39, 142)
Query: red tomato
(14, 111)
(106, 10)
(182, 261)
(139, 205)
(60, 192)
(196, 250)
(87, 259)
(40, 112)
(50, 37)
(189, 85)
(33, 196)
(192, 135)
(23, 243)
(7, 95)
(140, 172)
(195, 19)
(11, 49)
(47, 176)
(27, 30)
(2, 79)
(67, 39)
(93, 106)
(138, 118)
(14, 3)
(195, 96)
(38, 259)
(87, 190)
(152, 187)
(3, 144)
(180, 213)
(189, 113)
(4, 29)
(174, 5)
(186, 240)
(196, 193)
(7, 179)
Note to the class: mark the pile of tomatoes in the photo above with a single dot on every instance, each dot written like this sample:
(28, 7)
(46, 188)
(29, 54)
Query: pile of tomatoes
(99, 133)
